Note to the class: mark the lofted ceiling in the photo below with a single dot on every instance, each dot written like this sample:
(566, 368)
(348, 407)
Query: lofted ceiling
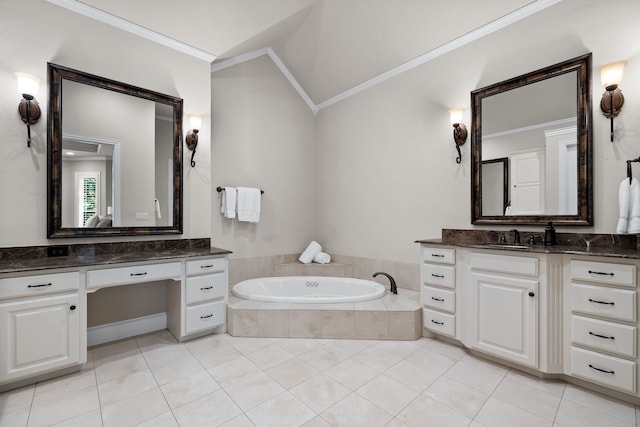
(329, 46)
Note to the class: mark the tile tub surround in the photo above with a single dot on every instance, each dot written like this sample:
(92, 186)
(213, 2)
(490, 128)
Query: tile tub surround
(393, 317)
(407, 275)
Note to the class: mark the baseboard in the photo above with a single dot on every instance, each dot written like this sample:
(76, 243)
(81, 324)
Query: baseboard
(126, 328)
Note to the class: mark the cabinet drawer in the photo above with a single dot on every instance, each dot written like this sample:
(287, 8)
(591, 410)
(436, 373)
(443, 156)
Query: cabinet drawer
(601, 272)
(439, 275)
(133, 274)
(439, 322)
(39, 284)
(605, 336)
(522, 266)
(206, 266)
(439, 299)
(439, 255)
(602, 301)
(205, 316)
(602, 369)
(204, 288)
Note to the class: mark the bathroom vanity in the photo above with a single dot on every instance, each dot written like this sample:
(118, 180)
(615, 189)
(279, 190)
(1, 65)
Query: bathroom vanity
(43, 300)
(563, 310)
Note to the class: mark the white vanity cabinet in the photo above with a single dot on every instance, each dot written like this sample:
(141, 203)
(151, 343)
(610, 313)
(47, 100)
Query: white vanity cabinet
(198, 306)
(602, 322)
(42, 321)
(504, 306)
(438, 290)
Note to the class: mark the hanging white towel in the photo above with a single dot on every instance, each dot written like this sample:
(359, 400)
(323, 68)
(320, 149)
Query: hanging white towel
(310, 252)
(249, 200)
(228, 202)
(629, 199)
(322, 258)
(634, 207)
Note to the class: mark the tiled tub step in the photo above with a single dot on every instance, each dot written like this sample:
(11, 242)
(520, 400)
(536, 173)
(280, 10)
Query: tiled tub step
(393, 317)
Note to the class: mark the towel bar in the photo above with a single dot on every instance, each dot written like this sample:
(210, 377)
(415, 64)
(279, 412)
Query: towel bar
(220, 190)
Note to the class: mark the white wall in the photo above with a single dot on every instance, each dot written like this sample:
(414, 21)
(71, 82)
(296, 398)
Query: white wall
(35, 32)
(263, 136)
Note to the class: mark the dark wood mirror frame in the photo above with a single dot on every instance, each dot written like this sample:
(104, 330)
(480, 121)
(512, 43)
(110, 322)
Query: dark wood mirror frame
(56, 75)
(584, 216)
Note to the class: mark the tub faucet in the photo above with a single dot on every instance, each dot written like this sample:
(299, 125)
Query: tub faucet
(394, 288)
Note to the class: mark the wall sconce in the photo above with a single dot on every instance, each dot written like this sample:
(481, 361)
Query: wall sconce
(459, 130)
(28, 108)
(195, 122)
(612, 100)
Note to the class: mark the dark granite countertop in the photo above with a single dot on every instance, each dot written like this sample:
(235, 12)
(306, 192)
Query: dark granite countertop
(16, 260)
(603, 245)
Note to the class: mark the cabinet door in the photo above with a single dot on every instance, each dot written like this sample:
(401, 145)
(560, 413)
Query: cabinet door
(38, 335)
(507, 317)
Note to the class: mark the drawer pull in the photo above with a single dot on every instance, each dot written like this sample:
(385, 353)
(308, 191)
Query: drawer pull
(601, 336)
(207, 316)
(601, 370)
(437, 255)
(437, 299)
(206, 266)
(601, 273)
(42, 285)
(138, 274)
(439, 276)
(601, 302)
(436, 322)
(208, 288)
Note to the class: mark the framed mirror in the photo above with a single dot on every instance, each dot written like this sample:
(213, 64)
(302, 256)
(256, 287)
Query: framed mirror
(114, 159)
(539, 125)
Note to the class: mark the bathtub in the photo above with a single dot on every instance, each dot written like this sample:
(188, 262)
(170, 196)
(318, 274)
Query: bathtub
(308, 289)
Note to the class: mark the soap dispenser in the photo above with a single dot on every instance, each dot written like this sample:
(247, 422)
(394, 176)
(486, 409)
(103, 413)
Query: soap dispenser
(550, 235)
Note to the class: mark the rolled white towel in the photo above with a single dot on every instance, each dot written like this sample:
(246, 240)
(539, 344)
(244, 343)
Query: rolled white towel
(311, 251)
(322, 258)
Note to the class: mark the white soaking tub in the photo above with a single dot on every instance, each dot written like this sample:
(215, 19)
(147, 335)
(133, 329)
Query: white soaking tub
(308, 289)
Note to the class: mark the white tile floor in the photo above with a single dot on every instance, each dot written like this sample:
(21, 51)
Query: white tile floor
(221, 380)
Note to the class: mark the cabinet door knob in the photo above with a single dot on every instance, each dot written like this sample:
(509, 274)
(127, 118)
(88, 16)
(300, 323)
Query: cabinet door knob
(73, 307)
(531, 294)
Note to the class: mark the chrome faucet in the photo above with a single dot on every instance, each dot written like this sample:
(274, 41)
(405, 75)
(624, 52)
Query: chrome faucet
(394, 288)
(516, 236)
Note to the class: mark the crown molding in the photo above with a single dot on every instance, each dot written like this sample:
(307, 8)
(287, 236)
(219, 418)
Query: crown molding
(277, 61)
(123, 24)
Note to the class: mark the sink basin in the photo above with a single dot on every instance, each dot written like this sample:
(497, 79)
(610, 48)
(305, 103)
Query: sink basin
(505, 246)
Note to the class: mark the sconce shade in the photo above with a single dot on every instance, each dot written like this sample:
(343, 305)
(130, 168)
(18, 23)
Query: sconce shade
(195, 121)
(611, 74)
(455, 115)
(27, 84)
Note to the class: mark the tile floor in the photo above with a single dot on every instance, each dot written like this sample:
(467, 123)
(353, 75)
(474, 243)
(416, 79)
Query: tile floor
(222, 380)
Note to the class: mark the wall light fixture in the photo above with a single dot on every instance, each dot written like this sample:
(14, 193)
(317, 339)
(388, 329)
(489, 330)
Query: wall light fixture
(612, 100)
(195, 123)
(459, 130)
(28, 108)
